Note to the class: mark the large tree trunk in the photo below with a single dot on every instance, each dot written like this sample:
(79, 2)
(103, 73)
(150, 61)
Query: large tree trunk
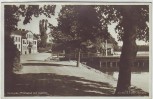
(128, 55)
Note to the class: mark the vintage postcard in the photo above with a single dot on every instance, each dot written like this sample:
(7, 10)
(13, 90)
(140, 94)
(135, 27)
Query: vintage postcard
(77, 49)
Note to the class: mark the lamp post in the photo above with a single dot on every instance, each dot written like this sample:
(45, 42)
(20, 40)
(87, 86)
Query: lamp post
(106, 47)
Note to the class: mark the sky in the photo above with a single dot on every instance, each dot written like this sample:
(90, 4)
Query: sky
(34, 25)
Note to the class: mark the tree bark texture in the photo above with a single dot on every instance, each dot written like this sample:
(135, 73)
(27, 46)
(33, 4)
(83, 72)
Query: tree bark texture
(128, 55)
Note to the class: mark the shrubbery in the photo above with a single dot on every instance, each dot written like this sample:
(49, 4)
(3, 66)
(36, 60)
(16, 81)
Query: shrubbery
(42, 49)
(12, 62)
(12, 56)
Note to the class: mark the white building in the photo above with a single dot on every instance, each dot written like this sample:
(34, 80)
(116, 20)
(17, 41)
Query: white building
(17, 39)
(25, 41)
(49, 38)
(110, 48)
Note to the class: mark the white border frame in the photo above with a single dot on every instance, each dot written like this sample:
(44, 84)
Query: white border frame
(71, 2)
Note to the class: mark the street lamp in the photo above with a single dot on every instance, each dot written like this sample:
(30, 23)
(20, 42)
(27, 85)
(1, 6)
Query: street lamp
(106, 47)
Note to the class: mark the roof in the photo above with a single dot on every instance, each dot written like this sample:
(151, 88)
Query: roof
(23, 33)
(35, 37)
(19, 32)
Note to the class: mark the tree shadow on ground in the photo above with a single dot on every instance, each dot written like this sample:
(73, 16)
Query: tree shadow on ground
(45, 64)
(48, 84)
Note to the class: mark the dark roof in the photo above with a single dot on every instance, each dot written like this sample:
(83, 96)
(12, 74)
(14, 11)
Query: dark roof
(16, 32)
(35, 37)
(23, 34)
(19, 32)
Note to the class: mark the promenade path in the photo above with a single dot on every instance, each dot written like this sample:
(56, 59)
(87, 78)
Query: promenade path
(40, 77)
(61, 78)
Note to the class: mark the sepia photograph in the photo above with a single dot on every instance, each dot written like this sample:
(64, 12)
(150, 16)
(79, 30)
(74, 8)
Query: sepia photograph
(76, 49)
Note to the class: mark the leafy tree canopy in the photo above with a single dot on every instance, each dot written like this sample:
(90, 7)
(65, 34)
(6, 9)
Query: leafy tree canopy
(135, 15)
(13, 13)
(81, 23)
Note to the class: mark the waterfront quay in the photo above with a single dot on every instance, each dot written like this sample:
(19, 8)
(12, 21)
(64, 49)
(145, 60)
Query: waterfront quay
(112, 61)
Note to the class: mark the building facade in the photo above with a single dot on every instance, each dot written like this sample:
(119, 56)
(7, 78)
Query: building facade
(49, 38)
(17, 40)
(25, 41)
(110, 48)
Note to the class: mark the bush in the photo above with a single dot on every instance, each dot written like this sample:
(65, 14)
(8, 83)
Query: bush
(11, 62)
(16, 64)
(42, 49)
(12, 55)
(143, 47)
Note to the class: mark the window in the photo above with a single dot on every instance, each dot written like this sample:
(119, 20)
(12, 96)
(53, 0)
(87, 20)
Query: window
(19, 46)
(27, 42)
(34, 42)
(16, 39)
(29, 35)
(24, 42)
(19, 39)
(13, 38)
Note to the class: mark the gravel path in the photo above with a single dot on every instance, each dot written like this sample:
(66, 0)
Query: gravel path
(60, 78)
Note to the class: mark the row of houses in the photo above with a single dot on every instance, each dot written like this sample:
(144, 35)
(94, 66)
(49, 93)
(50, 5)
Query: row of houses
(25, 41)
